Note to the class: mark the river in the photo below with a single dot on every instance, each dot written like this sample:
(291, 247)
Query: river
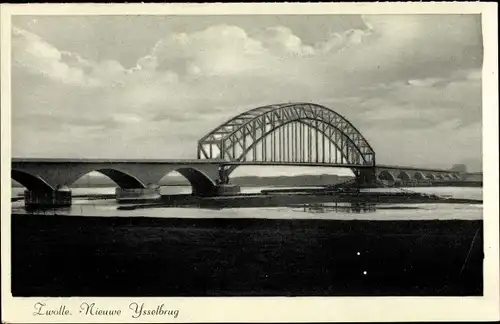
(108, 207)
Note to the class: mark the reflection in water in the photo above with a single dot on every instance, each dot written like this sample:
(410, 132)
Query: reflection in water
(354, 207)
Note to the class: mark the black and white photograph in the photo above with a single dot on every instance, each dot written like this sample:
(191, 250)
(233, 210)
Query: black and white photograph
(233, 154)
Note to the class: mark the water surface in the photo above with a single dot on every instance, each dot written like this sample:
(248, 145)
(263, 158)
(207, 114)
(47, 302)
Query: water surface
(108, 207)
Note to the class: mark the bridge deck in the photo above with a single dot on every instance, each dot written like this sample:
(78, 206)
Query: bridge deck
(219, 161)
(407, 168)
(302, 164)
(99, 160)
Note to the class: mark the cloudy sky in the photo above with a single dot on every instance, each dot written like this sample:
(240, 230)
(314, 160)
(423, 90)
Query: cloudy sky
(151, 86)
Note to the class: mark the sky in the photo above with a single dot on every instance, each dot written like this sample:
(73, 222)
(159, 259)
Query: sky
(152, 86)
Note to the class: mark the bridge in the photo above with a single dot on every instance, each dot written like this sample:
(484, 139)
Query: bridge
(289, 134)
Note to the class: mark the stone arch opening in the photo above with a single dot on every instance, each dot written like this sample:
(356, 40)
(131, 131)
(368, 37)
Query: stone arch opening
(31, 182)
(432, 176)
(420, 176)
(386, 175)
(404, 176)
(108, 176)
(199, 183)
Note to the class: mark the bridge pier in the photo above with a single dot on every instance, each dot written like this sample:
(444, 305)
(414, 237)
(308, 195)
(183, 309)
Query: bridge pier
(365, 177)
(151, 192)
(61, 197)
(222, 186)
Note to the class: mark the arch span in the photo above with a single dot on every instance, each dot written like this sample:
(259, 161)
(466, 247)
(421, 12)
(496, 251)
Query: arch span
(403, 175)
(449, 176)
(432, 176)
(30, 181)
(121, 178)
(420, 176)
(283, 133)
(386, 175)
(200, 183)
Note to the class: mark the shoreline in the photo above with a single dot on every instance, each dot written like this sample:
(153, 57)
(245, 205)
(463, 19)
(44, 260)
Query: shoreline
(277, 198)
(292, 198)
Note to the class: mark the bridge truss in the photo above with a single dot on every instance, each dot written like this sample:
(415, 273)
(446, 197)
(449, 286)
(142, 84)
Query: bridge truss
(298, 133)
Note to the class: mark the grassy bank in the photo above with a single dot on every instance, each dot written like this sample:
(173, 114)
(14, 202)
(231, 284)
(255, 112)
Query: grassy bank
(100, 256)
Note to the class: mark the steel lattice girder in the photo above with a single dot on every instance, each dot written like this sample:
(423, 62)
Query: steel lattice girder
(260, 122)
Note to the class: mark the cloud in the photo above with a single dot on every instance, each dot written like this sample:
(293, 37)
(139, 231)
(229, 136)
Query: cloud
(217, 50)
(281, 40)
(406, 47)
(40, 57)
(37, 56)
(394, 78)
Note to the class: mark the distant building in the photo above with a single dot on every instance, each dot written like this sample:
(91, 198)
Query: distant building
(462, 168)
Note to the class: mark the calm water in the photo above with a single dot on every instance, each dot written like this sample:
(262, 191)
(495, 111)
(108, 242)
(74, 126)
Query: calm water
(82, 206)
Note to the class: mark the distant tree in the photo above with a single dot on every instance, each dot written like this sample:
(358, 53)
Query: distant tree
(462, 168)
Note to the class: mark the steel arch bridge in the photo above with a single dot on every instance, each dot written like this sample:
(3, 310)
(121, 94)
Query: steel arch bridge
(288, 133)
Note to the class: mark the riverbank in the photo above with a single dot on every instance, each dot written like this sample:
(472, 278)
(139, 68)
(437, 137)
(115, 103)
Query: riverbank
(143, 256)
(290, 197)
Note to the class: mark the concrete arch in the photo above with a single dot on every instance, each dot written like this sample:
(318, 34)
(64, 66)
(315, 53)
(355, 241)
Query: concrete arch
(30, 181)
(403, 175)
(431, 176)
(447, 176)
(201, 183)
(386, 175)
(420, 176)
(122, 179)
